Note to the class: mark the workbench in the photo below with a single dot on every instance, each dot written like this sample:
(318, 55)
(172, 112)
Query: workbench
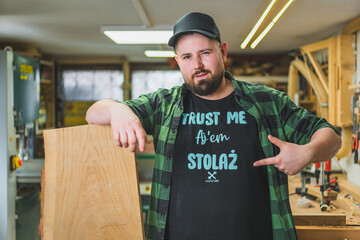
(342, 222)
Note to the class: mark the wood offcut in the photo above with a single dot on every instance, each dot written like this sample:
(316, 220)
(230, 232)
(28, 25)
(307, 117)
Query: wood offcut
(89, 187)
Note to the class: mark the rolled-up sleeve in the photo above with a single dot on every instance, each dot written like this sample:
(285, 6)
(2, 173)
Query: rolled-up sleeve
(298, 124)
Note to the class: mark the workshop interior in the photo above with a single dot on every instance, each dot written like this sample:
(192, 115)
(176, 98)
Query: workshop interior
(58, 57)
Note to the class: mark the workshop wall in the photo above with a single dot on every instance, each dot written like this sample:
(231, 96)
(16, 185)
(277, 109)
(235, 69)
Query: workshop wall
(352, 169)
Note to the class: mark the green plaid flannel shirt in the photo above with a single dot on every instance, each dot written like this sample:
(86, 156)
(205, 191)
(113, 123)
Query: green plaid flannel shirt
(160, 114)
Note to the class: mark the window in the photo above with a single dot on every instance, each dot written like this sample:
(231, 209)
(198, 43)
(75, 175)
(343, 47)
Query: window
(92, 85)
(81, 88)
(149, 81)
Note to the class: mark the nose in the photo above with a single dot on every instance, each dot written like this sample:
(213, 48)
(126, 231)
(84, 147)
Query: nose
(197, 62)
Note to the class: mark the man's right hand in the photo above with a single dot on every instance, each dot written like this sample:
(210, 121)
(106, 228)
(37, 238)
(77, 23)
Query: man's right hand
(126, 126)
(128, 130)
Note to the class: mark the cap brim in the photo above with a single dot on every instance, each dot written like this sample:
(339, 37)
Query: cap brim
(173, 39)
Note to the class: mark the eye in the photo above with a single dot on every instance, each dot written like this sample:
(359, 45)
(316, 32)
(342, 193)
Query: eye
(186, 57)
(205, 53)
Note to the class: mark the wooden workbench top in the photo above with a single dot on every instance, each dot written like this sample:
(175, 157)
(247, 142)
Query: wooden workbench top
(342, 205)
(334, 227)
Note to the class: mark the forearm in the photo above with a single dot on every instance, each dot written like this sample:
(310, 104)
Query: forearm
(102, 111)
(324, 144)
(126, 126)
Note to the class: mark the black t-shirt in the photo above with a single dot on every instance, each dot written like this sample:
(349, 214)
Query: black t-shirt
(216, 193)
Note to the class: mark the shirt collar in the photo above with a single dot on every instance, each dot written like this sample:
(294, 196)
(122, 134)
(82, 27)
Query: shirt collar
(238, 86)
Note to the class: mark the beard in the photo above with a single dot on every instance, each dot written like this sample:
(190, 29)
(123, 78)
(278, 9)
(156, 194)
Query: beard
(206, 86)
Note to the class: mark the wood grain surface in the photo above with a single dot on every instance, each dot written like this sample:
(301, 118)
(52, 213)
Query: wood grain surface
(342, 206)
(326, 225)
(90, 187)
(319, 219)
(328, 233)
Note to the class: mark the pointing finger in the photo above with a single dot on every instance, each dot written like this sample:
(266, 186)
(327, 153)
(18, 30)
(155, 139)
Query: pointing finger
(266, 161)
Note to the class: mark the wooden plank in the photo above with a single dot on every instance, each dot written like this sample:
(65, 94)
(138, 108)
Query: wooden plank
(315, 83)
(293, 81)
(319, 219)
(347, 73)
(327, 233)
(333, 79)
(47, 63)
(312, 47)
(354, 86)
(319, 72)
(90, 186)
(352, 27)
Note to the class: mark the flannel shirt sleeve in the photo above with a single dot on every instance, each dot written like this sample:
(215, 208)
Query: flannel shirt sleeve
(298, 124)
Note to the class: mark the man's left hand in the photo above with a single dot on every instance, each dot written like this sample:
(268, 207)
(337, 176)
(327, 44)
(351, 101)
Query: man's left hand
(291, 159)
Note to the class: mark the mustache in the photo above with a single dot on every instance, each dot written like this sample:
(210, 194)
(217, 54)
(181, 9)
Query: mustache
(200, 71)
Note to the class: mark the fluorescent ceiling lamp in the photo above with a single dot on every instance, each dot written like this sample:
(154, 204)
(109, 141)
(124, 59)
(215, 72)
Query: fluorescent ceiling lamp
(262, 35)
(255, 28)
(139, 37)
(282, 11)
(271, 24)
(168, 54)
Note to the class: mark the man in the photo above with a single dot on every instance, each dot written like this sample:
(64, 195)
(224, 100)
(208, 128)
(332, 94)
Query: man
(223, 147)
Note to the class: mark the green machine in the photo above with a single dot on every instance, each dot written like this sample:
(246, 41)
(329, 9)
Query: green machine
(26, 102)
(26, 89)
(19, 107)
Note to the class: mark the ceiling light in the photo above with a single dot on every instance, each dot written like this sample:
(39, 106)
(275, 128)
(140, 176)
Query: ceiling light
(255, 28)
(282, 11)
(262, 35)
(168, 54)
(139, 37)
(271, 24)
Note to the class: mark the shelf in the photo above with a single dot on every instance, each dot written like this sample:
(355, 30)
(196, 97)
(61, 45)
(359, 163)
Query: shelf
(354, 86)
(47, 63)
(47, 90)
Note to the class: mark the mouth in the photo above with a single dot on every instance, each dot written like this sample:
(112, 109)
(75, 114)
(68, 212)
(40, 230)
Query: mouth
(200, 75)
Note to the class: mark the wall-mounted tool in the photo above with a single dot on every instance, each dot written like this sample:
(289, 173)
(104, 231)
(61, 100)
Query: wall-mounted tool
(356, 132)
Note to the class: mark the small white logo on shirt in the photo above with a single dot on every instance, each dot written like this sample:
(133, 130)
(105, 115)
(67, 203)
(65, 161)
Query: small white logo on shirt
(211, 177)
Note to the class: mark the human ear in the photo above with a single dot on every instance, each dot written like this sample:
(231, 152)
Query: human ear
(224, 48)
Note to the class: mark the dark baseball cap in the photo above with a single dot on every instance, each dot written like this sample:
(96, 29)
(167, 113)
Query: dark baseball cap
(195, 22)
